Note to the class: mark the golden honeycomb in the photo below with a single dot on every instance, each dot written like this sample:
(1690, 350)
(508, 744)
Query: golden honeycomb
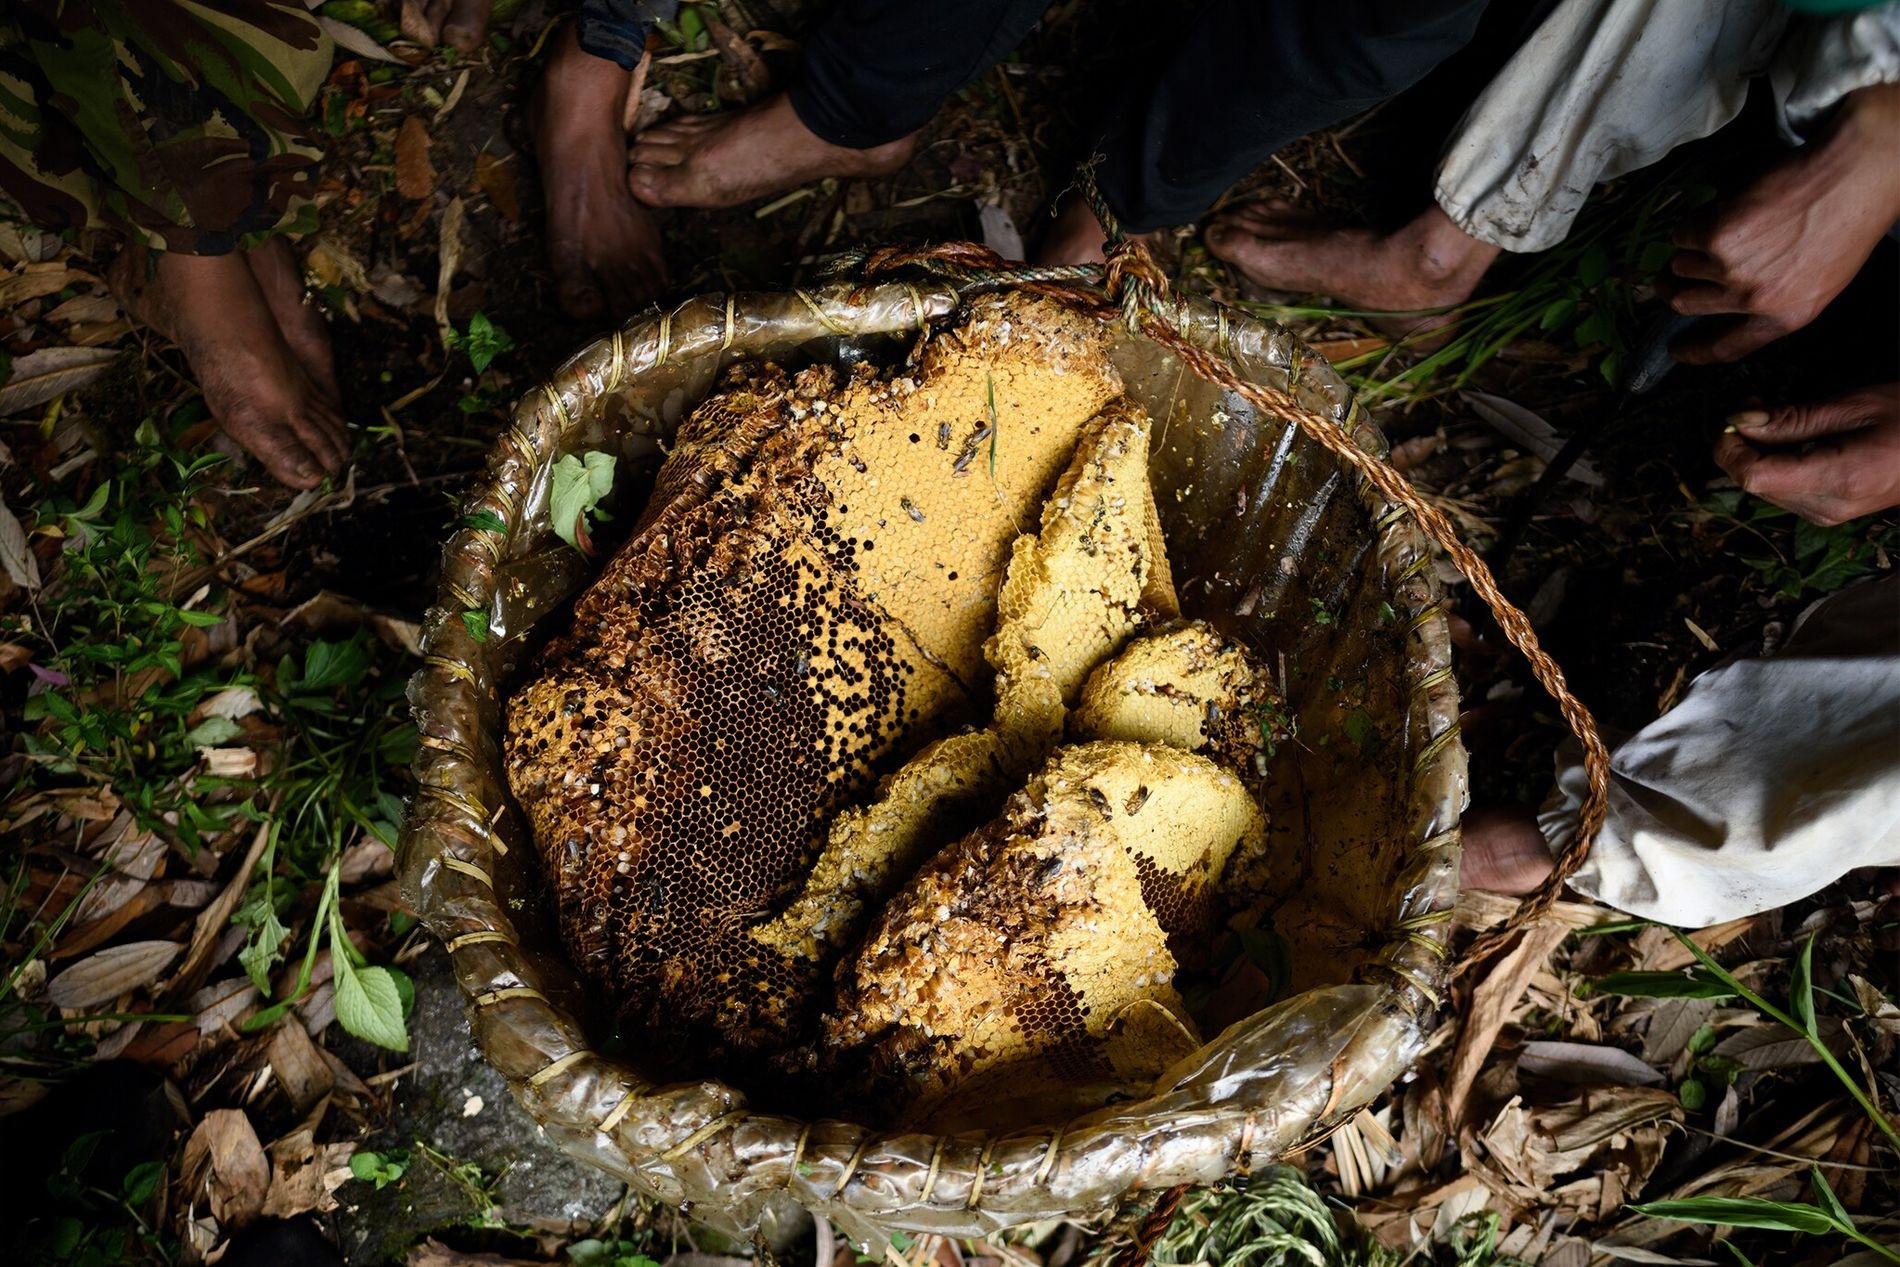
(1029, 943)
(1072, 593)
(1191, 687)
(803, 603)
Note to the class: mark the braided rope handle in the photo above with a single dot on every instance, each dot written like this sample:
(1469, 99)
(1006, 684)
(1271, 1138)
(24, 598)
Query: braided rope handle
(1141, 1249)
(1137, 289)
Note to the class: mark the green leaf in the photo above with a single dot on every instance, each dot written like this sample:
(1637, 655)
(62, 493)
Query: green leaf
(1782, 1216)
(1595, 330)
(329, 665)
(141, 1181)
(1655, 258)
(576, 487)
(1801, 985)
(1692, 1094)
(366, 1165)
(1829, 1202)
(1662, 985)
(263, 951)
(476, 622)
(212, 732)
(483, 521)
(200, 620)
(1557, 313)
(1593, 266)
(484, 341)
(369, 1005)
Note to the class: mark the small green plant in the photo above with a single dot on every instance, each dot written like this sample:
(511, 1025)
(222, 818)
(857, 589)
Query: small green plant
(1792, 556)
(1827, 1218)
(483, 341)
(576, 486)
(1800, 1018)
(616, 1253)
(381, 1169)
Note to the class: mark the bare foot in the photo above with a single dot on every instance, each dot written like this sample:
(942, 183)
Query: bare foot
(461, 24)
(305, 333)
(1429, 263)
(1075, 236)
(1504, 851)
(722, 160)
(604, 246)
(212, 307)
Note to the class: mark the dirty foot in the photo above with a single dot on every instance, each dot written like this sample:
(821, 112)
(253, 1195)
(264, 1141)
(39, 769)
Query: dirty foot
(604, 246)
(461, 24)
(304, 330)
(725, 159)
(213, 308)
(1429, 263)
(1075, 236)
(1504, 851)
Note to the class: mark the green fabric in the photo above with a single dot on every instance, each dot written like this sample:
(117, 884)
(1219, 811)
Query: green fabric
(180, 125)
(1832, 6)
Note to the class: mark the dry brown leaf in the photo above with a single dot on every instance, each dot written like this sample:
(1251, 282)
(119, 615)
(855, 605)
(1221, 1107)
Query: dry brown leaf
(636, 93)
(305, 1175)
(298, 1066)
(14, 655)
(110, 973)
(1337, 350)
(332, 263)
(15, 556)
(38, 280)
(415, 173)
(226, 1168)
(140, 900)
(1479, 910)
(85, 308)
(1777, 1046)
(367, 859)
(745, 69)
(449, 255)
(1608, 1131)
(209, 927)
(1493, 1003)
(134, 858)
(1672, 1023)
(433, 1253)
(1586, 1062)
(1657, 950)
(40, 376)
(496, 178)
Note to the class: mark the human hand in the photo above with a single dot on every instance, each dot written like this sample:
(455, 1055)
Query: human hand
(1778, 253)
(1847, 463)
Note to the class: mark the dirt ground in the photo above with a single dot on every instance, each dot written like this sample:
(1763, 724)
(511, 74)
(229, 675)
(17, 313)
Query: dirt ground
(1568, 1080)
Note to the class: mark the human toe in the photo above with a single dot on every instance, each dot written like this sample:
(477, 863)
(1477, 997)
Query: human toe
(467, 24)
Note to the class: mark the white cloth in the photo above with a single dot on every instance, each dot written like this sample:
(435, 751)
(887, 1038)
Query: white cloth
(1772, 778)
(1605, 87)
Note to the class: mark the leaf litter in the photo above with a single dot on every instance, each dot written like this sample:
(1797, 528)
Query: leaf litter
(151, 917)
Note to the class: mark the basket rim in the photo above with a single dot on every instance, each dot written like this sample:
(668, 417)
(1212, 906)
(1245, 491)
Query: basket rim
(698, 1143)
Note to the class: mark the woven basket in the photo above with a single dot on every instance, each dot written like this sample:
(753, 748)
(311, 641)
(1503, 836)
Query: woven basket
(1267, 534)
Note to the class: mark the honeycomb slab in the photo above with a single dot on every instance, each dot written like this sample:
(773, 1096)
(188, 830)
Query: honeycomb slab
(1035, 940)
(803, 602)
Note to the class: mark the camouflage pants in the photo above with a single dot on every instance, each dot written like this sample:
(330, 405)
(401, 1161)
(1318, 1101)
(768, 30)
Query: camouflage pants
(181, 126)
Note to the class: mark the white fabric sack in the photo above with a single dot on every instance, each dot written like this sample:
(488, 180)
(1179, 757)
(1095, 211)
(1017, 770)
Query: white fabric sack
(1605, 87)
(1772, 778)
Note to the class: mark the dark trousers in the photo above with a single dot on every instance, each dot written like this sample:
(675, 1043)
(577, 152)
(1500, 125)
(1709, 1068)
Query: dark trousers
(1241, 79)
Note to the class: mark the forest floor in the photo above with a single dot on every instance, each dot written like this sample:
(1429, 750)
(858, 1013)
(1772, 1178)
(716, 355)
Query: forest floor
(206, 742)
